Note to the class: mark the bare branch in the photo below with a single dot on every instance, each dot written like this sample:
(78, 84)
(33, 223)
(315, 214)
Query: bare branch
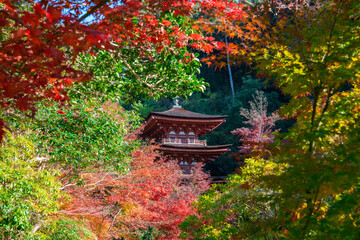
(92, 10)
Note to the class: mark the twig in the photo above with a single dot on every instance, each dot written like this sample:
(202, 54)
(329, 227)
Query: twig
(92, 10)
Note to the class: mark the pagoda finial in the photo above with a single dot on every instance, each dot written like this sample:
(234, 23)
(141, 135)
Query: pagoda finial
(176, 102)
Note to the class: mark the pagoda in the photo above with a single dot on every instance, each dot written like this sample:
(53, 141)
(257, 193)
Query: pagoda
(177, 131)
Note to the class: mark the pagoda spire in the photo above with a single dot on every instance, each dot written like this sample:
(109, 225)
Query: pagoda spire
(176, 102)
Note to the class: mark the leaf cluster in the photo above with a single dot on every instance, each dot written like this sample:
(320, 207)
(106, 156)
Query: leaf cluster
(29, 194)
(85, 136)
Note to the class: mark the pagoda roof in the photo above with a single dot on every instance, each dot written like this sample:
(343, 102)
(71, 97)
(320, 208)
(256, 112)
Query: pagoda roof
(159, 124)
(202, 153)
(179, 112)
(194, 146)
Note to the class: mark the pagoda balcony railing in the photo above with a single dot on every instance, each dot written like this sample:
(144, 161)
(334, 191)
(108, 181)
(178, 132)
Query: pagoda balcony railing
(184, 141)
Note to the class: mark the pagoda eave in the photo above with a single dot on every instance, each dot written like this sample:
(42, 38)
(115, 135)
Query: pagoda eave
(195, 147)
(179, 112)
(201, 153)
(157, 126)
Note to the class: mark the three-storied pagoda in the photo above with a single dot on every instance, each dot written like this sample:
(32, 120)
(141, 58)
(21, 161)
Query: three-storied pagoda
(178, 130)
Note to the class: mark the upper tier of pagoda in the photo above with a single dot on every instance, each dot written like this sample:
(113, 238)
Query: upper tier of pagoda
(161, 125)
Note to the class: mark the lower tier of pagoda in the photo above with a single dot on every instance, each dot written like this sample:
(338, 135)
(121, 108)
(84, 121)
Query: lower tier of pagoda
(188, 155)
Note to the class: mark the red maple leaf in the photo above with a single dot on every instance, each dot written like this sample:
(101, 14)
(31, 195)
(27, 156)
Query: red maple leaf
(195, 36)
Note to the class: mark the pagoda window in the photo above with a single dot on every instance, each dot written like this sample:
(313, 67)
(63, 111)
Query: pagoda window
(191, 140)
(172, 140)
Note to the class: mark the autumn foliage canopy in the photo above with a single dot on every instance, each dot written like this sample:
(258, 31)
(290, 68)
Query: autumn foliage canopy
(40, 40)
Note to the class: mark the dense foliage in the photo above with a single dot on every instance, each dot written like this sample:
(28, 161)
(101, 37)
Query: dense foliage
(128, 74)
(88, 175)
(229, 210)
(76, 169)
(311, 50)
(86, 136)
(85, 176)
(40, 41)
(29, 193)
(152, 195)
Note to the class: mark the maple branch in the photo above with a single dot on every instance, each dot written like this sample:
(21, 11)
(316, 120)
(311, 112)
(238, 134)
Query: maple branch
(133, 71)
(330, 37)
(249, 3)
(161, 80)
(68, 185)
(15, 19)
(317, 91)
(92, 184)
(81, 212)
(92, 10)
(311, 211)
(78, 92)
(41, 162)
(37, 227)
(325, 108)
(151, 86)
(118, 53)
(112, 222)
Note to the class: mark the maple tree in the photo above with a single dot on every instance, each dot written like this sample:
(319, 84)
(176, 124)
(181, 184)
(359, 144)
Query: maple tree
(260, 134)
(307, 189)
(152, 194)
(40, 40)
(317, 65)
(228, 210)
